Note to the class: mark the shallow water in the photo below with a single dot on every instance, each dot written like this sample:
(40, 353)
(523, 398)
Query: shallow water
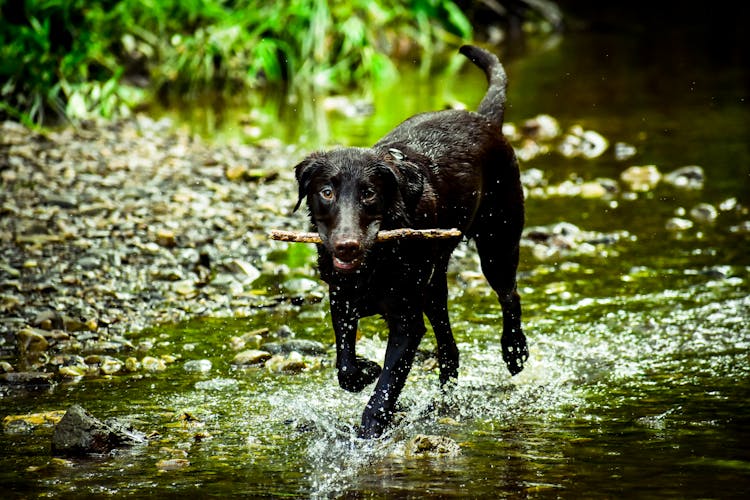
(639, 378)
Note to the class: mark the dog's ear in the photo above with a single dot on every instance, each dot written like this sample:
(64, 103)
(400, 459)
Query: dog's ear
(304, 172)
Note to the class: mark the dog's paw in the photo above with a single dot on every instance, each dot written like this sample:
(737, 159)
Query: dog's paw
(448, 373)
(373, 426)
(515, 351)
(354, 379)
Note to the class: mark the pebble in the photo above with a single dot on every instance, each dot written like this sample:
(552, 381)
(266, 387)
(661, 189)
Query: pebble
(112, 240)
(688, 177)
(152, 364)
(170, 464)
(291, 363)
(425, 445)
(641, 178)
(251, 357)
(677, 224)
(704, 212)
(198, 366)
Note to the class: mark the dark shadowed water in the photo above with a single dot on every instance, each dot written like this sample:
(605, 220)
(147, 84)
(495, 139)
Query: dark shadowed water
(638, 384)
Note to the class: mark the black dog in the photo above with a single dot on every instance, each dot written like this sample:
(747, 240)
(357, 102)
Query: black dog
(446, 169)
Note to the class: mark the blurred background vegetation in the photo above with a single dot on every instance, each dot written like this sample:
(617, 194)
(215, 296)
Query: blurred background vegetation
(77, 59)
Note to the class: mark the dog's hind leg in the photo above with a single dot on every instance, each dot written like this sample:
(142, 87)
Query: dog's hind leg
(436, 309)
(499, 257)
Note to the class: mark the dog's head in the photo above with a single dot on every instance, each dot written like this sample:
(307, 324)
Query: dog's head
(349, 193)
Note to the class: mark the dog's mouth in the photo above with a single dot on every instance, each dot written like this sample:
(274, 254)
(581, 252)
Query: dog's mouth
(346, 265)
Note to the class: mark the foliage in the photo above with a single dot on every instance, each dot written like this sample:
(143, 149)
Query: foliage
(78, 58)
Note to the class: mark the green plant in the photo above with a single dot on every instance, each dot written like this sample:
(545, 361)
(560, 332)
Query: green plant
(77, 58)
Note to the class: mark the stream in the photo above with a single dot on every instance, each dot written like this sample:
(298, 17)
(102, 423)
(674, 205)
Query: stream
(635, 301)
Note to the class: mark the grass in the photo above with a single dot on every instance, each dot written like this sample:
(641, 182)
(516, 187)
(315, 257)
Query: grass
(78, 59)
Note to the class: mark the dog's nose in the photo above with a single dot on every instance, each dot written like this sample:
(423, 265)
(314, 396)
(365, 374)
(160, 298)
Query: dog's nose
(347, 248)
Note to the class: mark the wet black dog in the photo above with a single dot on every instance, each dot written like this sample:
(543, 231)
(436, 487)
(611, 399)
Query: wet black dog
(446, 169)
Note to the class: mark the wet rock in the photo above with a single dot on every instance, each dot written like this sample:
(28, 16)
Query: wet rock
(532, 177)
(107, 365)
(284, 332)
(291, 363)
(423, 445)
(541, 128)
(704, 212)
(580, 142)
(6, 367)
(152, 364)
(302, 346)
(743, 227)
(197, 366)
(245, 272)
(641, 178)
(71, 366)
(624, 151)
(565, 239)
(31, 341)
(216, 384)
(170, 464)
(688, 177)
(236, 172)
(166, 238)
(21, 424)
(79, 433)
(251, 357)
(677, 224)
(48, 320)
(132, 364)
(27, 379)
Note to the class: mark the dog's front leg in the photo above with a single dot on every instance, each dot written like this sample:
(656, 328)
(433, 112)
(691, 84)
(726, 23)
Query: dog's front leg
(354, 372)
(405, 334)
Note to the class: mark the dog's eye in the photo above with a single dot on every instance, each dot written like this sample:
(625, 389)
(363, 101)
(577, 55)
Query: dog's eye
(368, 195)
(326, 193)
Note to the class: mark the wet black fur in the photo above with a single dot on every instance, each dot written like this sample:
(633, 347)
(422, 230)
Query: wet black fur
(442, 169)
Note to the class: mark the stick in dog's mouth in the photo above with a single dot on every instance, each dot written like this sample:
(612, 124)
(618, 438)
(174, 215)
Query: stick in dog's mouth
(392, 234)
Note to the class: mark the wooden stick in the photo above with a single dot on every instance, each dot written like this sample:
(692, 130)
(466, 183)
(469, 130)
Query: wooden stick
(392, 234)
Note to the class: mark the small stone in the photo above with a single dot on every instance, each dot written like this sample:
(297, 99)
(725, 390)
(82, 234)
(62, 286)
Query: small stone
(216, 384)
(302, 346)
(293, 363)
(110, 365)
(79, 433)
(244, 271)
(172, 464)
(641, 178)
(197, 366)
(592, 190)
(423, 445)
(166, 238)
(541, 128)
(27, 379)
(251, 357)
(73, 371)
(624, 151)
(152, 364)
(32, 420)
(132, 364)
(704, 212)
(678, 224)
(688, 177)
(236, 172)
(31, 341)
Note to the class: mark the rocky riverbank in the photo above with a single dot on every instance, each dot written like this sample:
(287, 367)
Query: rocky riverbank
(109, 228)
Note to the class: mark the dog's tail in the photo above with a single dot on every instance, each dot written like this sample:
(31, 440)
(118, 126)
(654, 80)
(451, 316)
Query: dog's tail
(493, 104)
